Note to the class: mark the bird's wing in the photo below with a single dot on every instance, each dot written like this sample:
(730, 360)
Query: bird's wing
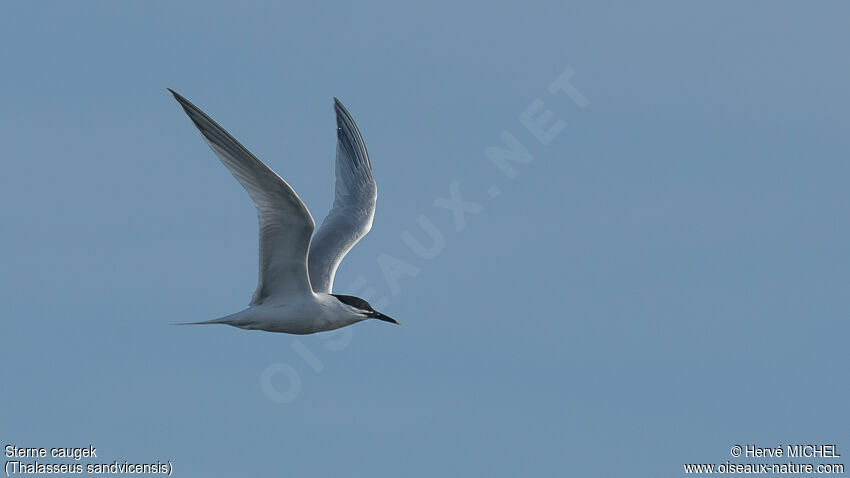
(354, 204)
(285, 223)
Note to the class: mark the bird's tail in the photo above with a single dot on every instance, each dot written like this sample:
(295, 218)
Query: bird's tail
(228, 319)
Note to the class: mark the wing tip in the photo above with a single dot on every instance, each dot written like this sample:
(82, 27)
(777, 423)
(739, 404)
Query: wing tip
(344, 120)
(177, 96)
(349, 134)
(186, 104)
(342, 111)
(202, 121)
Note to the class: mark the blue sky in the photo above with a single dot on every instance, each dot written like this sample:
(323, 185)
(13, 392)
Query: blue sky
(666, 278)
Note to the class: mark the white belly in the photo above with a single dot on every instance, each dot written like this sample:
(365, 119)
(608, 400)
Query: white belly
(319, 313)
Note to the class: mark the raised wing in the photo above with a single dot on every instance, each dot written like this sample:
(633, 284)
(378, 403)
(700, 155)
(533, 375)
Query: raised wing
(285, 222)
(354, 204)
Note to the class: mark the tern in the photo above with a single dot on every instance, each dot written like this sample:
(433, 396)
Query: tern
(297, 269)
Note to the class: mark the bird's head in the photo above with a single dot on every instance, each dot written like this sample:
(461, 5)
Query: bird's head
(364, 308)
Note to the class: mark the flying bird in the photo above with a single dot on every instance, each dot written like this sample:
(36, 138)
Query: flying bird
(294, 293)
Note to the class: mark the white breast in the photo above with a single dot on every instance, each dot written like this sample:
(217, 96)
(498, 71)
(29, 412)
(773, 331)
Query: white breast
(319, 313)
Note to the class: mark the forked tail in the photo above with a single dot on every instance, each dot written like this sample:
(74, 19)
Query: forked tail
(227, 320)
